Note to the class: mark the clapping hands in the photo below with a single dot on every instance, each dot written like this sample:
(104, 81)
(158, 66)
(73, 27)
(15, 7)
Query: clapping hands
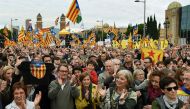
(37, 98)
(124, 94)
(102, 91)
(73, 80)
(3, 85)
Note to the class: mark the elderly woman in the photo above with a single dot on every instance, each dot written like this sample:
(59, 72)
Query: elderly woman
(120, 96)
(19, 98)
(139, 79)
(141, 85)
(88, 93)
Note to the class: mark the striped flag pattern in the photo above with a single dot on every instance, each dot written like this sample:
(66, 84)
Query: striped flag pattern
(74, 13)
(48, 40)
(9, 42)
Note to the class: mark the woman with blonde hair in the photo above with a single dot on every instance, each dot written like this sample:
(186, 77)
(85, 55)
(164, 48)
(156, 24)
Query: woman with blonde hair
(6, 84)
(121, 96)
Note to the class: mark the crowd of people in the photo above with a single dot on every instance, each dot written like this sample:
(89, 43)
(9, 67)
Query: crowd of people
(93, 78)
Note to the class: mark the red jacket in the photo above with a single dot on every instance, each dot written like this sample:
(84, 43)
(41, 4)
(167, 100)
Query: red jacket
(93, 76)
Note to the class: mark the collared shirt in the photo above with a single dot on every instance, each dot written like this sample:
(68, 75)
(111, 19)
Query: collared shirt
(62, 86)
(29, 105)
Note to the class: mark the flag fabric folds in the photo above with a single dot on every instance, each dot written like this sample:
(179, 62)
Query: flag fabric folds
(21, 35)
(156, 55)
(9, 42)
(74, 13)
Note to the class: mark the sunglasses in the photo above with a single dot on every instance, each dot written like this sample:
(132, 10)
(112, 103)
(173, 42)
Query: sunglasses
(170, 88)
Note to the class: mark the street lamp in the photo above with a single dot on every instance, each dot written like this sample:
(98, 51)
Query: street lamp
(144, 31)
(102, 28)
(166, 25)
(12, 27)
(12, 23)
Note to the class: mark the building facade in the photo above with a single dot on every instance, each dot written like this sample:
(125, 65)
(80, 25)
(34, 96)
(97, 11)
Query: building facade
(172, 14)
(62, 22)
(185, 24)
(178, 30)
(39, 21)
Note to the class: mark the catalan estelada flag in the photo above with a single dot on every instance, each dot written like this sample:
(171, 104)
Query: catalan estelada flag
(74, 13)
(156, 55)
(21, 35)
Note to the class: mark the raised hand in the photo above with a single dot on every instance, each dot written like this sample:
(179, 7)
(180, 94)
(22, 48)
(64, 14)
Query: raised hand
(87, 94)
(124, 94)
(18, 62)
(37, 98)
(101, 91)
(138, 93)
(3, 85)
(73, 80)
(23, 103)
(60, 81)
(147, 107)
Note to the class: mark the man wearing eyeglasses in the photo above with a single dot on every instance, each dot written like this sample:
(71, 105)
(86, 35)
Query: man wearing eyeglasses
(148, 64)
(184, 92)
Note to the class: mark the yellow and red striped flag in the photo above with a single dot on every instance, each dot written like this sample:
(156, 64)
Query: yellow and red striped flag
(48, 40)
(74, 13)
(9, 42)
(21, 35)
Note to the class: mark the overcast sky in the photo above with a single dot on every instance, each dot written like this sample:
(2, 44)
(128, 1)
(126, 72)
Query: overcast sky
(122, 12)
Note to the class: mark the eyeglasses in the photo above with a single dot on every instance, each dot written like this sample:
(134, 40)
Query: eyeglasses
(170, 88)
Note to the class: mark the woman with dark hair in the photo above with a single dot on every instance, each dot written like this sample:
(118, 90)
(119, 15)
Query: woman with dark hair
(154, 90)
(169, 100)
(88, 93)
(179, 62)
(19, 92)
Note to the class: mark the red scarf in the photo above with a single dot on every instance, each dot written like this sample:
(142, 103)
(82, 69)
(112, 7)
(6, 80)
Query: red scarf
(153, 93)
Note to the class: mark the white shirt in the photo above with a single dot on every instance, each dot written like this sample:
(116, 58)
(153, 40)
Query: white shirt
(29, 105)
(62, 86)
